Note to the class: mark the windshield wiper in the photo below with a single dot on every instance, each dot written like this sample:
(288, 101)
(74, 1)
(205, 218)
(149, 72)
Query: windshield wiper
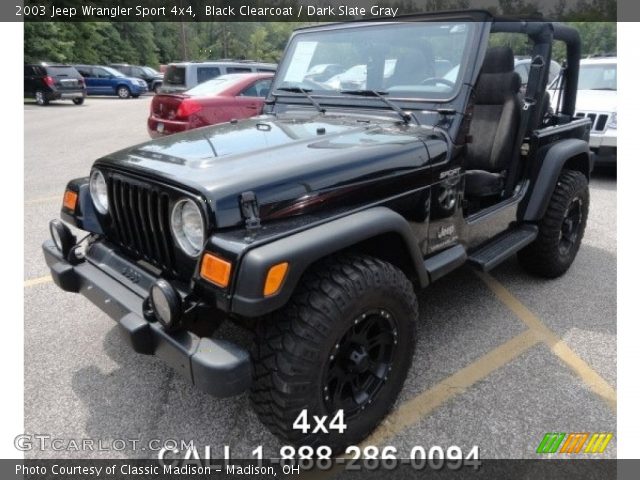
(305, 92)
(380, 94)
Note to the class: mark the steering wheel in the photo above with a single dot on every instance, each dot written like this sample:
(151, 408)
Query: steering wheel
(437, 80)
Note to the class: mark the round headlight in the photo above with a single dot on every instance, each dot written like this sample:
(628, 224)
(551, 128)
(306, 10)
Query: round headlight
(187, 226)
(98, 190)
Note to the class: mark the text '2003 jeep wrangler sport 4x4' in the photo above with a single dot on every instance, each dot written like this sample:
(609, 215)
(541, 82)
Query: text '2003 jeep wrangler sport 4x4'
(312, 223)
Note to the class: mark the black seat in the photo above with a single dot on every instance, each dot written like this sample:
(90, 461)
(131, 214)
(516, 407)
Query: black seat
(412, 68)
(494, 125)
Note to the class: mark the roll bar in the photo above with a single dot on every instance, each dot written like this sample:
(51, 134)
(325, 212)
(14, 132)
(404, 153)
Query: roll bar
(543, 33)
(571, 38)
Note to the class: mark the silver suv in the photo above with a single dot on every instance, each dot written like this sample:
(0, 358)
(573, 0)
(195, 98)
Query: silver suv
(185, 75)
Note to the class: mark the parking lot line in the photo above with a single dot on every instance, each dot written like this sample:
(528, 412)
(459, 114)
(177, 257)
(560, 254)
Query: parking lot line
(558, 346)
(37, 281)
(42, 199)
(412, 411)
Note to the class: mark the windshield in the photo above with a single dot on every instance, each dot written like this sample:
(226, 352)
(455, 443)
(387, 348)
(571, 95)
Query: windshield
(113, 72)
(598, 77)
(406, 60)
(214, 86)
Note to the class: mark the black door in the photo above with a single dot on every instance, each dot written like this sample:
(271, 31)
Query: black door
(29, 78)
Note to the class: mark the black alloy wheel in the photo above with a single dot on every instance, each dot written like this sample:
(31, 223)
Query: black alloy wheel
(360, 362)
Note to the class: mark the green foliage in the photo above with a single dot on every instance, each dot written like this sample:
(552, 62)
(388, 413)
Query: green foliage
(154, 43)
(46, 41)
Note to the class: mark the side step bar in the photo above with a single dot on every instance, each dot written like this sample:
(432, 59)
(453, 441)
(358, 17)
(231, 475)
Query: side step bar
(504, 246)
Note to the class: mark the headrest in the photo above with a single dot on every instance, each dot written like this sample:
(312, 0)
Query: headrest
(498, 60)
(497, 80)
(414, 66)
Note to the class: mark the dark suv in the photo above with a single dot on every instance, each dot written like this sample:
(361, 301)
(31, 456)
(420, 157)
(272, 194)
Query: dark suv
(148, 74)
(46, 82)
(312, 225)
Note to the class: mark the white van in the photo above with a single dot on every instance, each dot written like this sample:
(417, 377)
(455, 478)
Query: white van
(185, 75)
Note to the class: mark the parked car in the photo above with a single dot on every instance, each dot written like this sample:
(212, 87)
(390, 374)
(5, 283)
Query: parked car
(237, 95)
(522, 67)
(598, 101)
(180, 77)
(102, 80)
(148, 74)
(46, 82)
(314, 224)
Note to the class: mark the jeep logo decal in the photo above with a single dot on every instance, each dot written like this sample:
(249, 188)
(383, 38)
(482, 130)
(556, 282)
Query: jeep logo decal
(445, 231)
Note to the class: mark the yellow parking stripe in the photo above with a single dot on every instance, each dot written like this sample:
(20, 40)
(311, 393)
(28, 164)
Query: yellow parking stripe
(37, 281)
(589, 376)
(590, 444)
(596, 446)
(418, 407)
(605, 443)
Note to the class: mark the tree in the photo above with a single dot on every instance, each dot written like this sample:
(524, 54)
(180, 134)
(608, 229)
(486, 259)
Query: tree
(46, 41)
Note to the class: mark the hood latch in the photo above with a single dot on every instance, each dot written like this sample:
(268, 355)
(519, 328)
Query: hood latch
(250, 210)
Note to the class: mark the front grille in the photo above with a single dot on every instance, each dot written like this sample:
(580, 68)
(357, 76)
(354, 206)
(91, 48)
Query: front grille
(140, 216)
(598, 120)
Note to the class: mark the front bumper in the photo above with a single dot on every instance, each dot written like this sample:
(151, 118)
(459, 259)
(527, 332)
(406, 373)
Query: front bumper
(217, 367)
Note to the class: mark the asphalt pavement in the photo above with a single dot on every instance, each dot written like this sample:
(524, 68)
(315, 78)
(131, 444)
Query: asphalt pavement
(501, 359)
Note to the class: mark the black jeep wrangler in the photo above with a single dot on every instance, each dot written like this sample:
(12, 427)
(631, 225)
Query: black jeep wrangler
(313, 223)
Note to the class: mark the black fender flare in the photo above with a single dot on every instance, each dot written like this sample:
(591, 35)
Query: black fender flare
(573, 153)
(308, 246)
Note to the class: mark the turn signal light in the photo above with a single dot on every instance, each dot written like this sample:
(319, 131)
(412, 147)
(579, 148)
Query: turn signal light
(275, 277)
(216, 270)
(187, 108)
(70, 200)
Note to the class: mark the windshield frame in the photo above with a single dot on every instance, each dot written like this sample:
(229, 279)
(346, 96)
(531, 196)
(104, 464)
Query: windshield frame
(466, 61)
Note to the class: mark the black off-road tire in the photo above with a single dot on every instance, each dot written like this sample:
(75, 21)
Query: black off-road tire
(78, 101)
(294, 347)
(551, 254)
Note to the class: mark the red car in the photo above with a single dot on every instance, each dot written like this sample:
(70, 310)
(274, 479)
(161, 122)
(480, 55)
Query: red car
(227, 97)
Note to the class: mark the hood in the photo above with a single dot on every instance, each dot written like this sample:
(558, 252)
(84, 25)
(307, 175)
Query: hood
(292, 165)
(605, 101)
